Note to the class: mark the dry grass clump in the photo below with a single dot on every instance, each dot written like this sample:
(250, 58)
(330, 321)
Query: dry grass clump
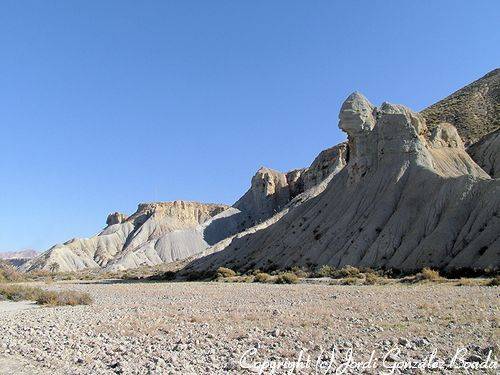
(371, 279)
(9, 273)
(299, 272)
(287, 278)
(428, 274)
(262, 277)
(334, 273)
(64, 298)
(223, 272)
(324, 271)
(44, 297)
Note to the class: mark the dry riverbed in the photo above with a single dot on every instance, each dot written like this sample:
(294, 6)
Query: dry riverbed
(210, 328)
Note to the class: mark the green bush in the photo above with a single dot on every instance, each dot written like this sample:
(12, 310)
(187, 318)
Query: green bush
(287, 278)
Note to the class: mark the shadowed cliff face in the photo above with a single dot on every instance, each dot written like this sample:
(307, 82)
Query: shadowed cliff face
(408, 198)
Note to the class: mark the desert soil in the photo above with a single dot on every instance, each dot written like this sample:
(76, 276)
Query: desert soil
(205, 328)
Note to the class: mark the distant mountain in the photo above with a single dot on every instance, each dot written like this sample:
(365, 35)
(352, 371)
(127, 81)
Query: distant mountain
(474, 110)
(18, 258)
(21, 254)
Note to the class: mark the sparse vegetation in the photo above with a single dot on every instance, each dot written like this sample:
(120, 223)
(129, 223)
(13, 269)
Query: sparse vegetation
(371, 279)
(428, 274)
(44, 297)
(287, 278)
(224, 272)
(262, 277)
(494, 282)
(324, 271)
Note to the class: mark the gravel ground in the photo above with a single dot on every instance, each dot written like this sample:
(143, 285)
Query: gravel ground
(206, 328)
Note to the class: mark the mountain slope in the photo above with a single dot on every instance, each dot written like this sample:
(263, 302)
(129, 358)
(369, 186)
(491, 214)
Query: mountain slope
(486, 153)
(407, 199)
(474, 110)
(155, 233)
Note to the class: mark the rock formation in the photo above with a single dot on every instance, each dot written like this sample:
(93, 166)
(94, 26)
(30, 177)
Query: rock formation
(155, 233)
(474, 110)
(407, 198)
(486, 153)
(116, 218)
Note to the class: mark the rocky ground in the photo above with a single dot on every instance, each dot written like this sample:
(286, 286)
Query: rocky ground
(207, 328)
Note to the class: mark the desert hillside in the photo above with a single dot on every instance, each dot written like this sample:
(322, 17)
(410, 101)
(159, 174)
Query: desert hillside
(474, 110)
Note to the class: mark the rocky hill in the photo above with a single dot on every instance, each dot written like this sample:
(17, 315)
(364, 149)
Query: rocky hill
(155, 233)
(409, 197)
(400, 193)
(474, 110)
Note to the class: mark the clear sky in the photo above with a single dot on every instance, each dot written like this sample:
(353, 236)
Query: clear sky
(105, 104)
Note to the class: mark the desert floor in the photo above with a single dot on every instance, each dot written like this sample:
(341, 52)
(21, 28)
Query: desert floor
(210, 328)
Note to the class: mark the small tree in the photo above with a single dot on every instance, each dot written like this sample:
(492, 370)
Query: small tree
(54, 267)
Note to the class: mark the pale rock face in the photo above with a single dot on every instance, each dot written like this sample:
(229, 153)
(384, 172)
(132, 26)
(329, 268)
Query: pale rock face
(486, 153)
(155, 233)
(446, 135)
(406, 200)
(115, 218)
(267, 195)
(329, 161)
(356, 114)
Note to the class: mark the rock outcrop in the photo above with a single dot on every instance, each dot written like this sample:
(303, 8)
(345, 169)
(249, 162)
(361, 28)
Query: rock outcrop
(474, 110)
(407, 198)
(116, 218)
(486, 153)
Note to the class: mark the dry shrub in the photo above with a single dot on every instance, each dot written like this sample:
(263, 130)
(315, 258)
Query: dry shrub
(262, 277)
(428, 275)
(44, 297)
(324, 271)
(9, 274)
(70, 298)
(287, 278)
(223, 272)
(299, 272)
(349, 281)
(371, 279)
(494, 282)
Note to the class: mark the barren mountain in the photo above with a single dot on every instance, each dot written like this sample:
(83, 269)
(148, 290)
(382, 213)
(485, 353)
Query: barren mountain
(155, 233)
(408, 198)
(18, 258)
(169, 231)
(474, 110)
(21, 254)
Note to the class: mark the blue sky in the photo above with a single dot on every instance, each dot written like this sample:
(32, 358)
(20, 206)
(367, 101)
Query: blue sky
(105, 104)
